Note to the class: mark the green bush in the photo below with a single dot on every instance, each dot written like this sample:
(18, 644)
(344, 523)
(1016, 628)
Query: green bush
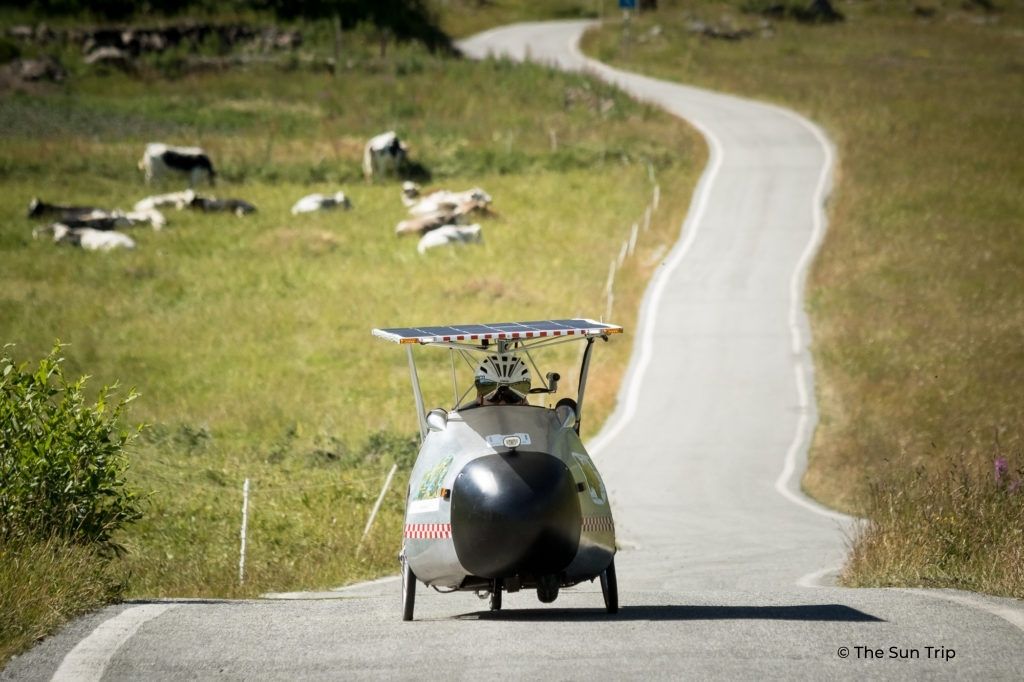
(62, 462)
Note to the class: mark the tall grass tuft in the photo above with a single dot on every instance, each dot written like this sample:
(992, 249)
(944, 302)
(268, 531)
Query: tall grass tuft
(961, 528)
(44, 583)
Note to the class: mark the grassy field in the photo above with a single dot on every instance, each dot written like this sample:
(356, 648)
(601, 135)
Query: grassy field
(249, 338)
(917, 296)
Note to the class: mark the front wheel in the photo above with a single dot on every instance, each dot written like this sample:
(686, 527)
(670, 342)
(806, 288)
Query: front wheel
(496, 586)
(408, 590)
(610, 588)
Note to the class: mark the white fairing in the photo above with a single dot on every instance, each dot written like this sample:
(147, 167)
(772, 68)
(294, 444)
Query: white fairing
(478, 432)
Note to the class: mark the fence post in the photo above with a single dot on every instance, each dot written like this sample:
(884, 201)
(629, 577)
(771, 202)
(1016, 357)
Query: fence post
(245, 525)
(376, 506)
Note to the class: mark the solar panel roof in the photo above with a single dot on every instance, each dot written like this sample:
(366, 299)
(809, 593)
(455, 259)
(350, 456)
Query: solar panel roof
(498, 330)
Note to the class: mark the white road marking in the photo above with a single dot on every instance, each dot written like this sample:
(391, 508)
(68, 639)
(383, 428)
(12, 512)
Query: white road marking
(813, 579)
(90, 657)
(689, 229)
(1012, 616)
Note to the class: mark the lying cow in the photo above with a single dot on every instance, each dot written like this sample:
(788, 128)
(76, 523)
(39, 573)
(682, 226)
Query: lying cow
(321, 202)
(239, 207)
(178, 200)
(160, 159)
(457, 202)
(384, 153)
(86, 237)
(422, 224)
(93, 218)
(450, 235)
(37, 208)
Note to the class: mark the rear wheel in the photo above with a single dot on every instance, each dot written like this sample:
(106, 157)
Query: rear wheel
(408, 590)
(610, 588)
(496, 586)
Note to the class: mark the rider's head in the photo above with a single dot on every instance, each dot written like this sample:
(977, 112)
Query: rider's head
(502, 379)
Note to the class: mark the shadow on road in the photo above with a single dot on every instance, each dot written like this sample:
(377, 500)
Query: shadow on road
(808, 612)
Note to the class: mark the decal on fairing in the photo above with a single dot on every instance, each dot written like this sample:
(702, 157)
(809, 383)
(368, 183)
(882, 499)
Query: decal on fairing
(430, 485)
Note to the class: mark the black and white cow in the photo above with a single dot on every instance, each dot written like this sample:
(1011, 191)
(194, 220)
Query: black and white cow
(160, 159)
(384, 153)
(37, 208)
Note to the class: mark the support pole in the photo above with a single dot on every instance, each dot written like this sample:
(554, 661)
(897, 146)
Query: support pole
(245, 526)
(584, 370)
(421, 416)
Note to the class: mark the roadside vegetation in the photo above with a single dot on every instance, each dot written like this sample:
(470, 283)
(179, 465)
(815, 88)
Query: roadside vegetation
(248, 339)
(63, 497)
(917, 296)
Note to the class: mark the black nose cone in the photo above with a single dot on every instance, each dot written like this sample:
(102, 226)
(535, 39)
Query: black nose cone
(515, 513)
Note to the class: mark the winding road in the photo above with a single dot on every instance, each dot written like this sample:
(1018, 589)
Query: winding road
(726, 567)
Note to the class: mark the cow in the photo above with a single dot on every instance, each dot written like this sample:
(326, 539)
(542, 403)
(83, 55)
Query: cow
(160, 159)
(239, 207)
(86, 237)
(450, 235)
(383, 154)
(320, 202)
(178, 200)
(457, 202)
(38, 208)
(423, 224)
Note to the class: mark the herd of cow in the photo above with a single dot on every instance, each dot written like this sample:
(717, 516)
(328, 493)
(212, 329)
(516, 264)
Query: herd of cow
(438, 218)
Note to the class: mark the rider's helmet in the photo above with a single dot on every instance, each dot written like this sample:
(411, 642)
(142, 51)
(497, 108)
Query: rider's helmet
(502, 379)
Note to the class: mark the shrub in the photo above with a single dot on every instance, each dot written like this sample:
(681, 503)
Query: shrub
(62, 461)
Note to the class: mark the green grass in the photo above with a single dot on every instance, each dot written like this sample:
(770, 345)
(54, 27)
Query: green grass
(917, 296)
(249, 339)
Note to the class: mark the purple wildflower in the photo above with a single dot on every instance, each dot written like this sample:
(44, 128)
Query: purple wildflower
(1001, 467)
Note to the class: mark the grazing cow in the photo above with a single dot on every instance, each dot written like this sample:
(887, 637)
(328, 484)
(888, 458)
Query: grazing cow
(384, 153)
(160, 159)
(87, 238)
(450, 235)
(178, 200)
(239, 207)
(38, 208)
(321, 202)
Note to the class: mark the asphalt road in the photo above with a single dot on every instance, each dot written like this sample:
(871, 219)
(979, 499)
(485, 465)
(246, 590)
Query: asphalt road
(725, 567)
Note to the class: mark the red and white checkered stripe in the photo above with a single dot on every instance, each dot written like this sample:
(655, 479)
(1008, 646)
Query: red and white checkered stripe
(428, 531)
(597, 524)
(515, 335)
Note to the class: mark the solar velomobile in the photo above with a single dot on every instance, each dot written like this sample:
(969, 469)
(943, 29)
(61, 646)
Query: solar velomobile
(503, 496)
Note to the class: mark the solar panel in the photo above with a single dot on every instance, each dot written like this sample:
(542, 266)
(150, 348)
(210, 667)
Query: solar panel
(495, 331)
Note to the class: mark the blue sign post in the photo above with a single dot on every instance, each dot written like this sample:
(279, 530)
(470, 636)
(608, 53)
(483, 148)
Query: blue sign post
(627, 4)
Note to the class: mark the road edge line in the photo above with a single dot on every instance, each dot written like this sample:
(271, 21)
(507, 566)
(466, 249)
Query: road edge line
(91, 656)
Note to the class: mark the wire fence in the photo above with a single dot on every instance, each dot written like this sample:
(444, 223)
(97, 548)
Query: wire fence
(633, 235)
(250, 490)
